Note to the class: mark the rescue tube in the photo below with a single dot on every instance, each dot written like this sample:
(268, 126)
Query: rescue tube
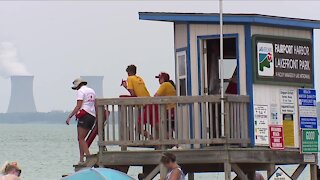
(94, 132)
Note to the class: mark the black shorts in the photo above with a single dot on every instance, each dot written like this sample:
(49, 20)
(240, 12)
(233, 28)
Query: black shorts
(87, 121)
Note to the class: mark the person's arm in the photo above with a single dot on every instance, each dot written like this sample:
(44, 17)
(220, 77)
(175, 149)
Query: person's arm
(161, 90)
(75, 110)
(175, 175)
(132, 93)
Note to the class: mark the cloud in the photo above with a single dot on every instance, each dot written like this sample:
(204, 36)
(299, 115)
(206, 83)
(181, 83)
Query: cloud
(9, 61)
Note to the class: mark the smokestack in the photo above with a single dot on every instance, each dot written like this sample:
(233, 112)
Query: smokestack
(21, 95)
(96, 83)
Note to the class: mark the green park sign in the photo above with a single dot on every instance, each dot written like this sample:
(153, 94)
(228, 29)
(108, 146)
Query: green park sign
(282, 61)
(309, 143)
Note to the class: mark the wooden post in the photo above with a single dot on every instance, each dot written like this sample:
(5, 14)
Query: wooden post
(163, 127)
(190, 176)
(252, 174)
(227, 171)
(270, 169)
(163, 172)
(100, 132)
(313, 172)
(227, 122)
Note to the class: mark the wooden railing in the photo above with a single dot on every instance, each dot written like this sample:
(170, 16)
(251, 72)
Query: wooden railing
(190, 121)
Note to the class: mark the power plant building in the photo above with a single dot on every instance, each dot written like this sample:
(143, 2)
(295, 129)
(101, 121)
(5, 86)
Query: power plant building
(96, 83)
(22, 100)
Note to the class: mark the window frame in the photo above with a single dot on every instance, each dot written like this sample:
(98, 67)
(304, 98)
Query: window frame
(181, 77)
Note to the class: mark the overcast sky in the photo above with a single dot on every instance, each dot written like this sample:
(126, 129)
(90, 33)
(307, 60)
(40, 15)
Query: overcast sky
(61, 40)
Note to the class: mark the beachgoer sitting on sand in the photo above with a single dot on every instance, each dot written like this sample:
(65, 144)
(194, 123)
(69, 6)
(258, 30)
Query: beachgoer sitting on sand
(10, 171)
(174, 170)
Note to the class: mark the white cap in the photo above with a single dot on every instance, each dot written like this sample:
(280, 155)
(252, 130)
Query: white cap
(77, 82)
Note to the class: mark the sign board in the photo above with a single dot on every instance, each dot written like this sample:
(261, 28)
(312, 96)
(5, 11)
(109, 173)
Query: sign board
(288, 130)
(309, 143)
(287, 96)
(309, 158)
(287, 108)
(276, 137)
(274, 115)
(283, 60)
(280, 174)
(307, 97)
(261, 125)
(307, 108)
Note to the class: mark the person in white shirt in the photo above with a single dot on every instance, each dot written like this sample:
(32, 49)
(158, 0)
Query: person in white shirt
(85, 113)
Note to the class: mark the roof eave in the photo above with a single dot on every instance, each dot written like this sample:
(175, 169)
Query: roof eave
(270, 21)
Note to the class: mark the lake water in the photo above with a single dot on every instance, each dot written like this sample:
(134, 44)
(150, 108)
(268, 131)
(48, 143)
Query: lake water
(47, 151)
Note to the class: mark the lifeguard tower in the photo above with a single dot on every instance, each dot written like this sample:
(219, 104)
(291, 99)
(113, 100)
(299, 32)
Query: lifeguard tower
(270, 105)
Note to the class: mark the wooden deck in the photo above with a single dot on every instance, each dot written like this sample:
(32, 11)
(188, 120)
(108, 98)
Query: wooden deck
(208, 145)
(211, 159)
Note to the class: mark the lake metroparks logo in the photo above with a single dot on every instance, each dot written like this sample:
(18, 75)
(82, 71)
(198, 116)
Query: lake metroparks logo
(265, 59)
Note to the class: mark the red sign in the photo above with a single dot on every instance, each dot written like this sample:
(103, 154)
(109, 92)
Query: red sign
(276, 137)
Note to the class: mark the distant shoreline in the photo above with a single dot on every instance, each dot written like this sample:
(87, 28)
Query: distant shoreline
(37, 118)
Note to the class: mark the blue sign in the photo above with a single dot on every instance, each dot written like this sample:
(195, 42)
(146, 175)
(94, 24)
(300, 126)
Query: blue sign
(307, 108)
(307, 97)
(308, 123)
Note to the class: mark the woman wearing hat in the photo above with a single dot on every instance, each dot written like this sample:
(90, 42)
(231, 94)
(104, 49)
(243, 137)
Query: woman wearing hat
(85, 113)
(10, 171)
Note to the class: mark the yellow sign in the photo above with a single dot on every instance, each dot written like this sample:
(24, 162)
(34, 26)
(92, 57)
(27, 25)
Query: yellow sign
(288, 130)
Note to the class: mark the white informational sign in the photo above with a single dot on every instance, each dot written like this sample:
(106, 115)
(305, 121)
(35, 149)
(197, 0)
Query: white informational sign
(261, 125)
(287, 96)
(287, 109)
(279, 174)
(287, 101)
(274, 115)
(308, 111)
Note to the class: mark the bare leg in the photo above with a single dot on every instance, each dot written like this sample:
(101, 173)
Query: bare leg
(83, 147)
(142, 131)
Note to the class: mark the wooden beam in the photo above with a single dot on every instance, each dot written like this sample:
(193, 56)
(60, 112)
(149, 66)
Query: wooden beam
(239, 172)
(190, 176)
(313, 172)
(298, 171)
(170, 100)
(149, 143)
(253, 155)
(270, 169)
(163, 171)
(200, 156)
(227, 171)
(153, 173)
(153, 157)
(101, 134)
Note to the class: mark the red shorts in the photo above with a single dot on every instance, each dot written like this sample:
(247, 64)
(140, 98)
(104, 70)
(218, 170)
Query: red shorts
(152, 118)
(154, 114)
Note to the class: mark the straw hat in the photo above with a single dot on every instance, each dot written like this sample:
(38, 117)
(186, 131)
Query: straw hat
(77, 82)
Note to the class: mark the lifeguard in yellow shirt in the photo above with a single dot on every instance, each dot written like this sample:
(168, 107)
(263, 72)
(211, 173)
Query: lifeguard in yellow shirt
(135, 84)
(167, 87)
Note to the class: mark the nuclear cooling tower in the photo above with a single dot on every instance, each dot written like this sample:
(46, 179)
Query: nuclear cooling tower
(96, 83)
(21, 95)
